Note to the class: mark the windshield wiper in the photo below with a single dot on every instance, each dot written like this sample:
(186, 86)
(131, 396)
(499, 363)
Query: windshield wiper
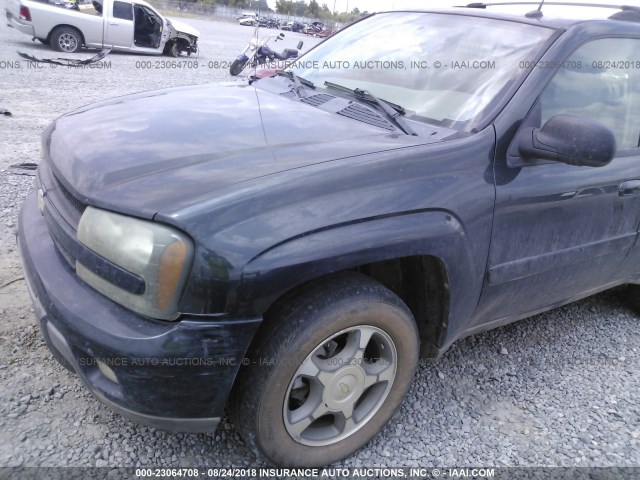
(394, 111)
(299, 81)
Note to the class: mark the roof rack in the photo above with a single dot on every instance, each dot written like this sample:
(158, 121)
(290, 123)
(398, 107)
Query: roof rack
(627, 12)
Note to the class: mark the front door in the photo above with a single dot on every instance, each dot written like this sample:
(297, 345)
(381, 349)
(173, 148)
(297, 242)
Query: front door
(148, 28)
(562, 231)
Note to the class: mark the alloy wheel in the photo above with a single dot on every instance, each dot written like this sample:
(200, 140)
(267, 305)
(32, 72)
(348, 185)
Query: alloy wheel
(340, 386)
(68, 42)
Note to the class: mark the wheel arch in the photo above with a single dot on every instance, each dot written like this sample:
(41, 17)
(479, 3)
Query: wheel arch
(423, 257)
(422, 283)
(182, 41)
(65, 25)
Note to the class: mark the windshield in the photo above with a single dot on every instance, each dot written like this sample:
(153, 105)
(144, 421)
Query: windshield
(443, 69)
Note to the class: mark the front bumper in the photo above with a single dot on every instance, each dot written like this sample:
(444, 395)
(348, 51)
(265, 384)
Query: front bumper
(170, 375)
(19, 24)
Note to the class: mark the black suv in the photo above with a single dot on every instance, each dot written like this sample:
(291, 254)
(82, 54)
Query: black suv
(297, 243)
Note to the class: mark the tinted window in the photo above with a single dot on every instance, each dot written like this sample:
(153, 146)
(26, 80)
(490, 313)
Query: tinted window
(449, 69)
(600, 82)
(122, 10)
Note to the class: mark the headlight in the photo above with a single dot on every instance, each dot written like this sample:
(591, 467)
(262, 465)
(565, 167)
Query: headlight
(159, 254)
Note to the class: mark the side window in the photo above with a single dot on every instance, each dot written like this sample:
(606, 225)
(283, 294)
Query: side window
(123, 10)
(600, 82)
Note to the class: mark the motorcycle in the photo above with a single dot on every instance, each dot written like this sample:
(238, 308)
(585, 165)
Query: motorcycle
(314, 28)
(259, 53)
(272, 23)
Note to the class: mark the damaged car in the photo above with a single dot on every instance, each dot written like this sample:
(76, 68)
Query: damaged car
(288, 250)
(120, 25)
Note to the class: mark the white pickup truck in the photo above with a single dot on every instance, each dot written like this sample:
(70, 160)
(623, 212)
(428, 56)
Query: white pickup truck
(124, 25)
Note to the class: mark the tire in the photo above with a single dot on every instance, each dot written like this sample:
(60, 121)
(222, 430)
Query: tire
(237, 67)
(66, 39)
(633, 297)
(349, 398)
(171, 50)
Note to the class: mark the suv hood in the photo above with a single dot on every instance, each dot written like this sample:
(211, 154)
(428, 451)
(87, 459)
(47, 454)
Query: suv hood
(141, 153)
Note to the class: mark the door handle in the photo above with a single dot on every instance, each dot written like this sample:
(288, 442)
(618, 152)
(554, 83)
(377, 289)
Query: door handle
(113, 24)
(628, 188)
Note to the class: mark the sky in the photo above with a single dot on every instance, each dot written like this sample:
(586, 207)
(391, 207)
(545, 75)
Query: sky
(383, 5)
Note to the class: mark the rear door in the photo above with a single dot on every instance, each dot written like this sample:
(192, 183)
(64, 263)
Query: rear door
(120, 25)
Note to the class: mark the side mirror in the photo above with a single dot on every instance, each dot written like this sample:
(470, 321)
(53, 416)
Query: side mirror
(569, 139)
(281, 35)
(300, 44)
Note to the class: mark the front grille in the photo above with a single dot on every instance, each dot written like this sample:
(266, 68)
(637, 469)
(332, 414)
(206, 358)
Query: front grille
(76, 204)
(364, 114)
(59, 230)
(67, 204)
(62, 212)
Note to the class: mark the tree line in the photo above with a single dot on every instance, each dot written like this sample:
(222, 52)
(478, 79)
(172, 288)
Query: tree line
(297, 8)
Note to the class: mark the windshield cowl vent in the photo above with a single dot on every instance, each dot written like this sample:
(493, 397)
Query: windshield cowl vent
(317, 100)
(365, 115)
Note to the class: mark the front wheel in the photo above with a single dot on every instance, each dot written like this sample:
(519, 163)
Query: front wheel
(237, 66)
(171, 49)
(329, 372)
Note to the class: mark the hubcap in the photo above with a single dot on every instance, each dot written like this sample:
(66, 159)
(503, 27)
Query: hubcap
(340, 386)
(68, 42)
(345, 387)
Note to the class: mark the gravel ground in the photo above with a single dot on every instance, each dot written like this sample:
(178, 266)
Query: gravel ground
(558, 389)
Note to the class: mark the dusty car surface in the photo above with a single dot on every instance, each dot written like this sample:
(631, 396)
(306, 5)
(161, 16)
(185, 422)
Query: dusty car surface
(290, 248)
(119, 24)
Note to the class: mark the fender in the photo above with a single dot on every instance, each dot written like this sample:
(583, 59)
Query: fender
(429, 232)
(242, 58)
(187, 38)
